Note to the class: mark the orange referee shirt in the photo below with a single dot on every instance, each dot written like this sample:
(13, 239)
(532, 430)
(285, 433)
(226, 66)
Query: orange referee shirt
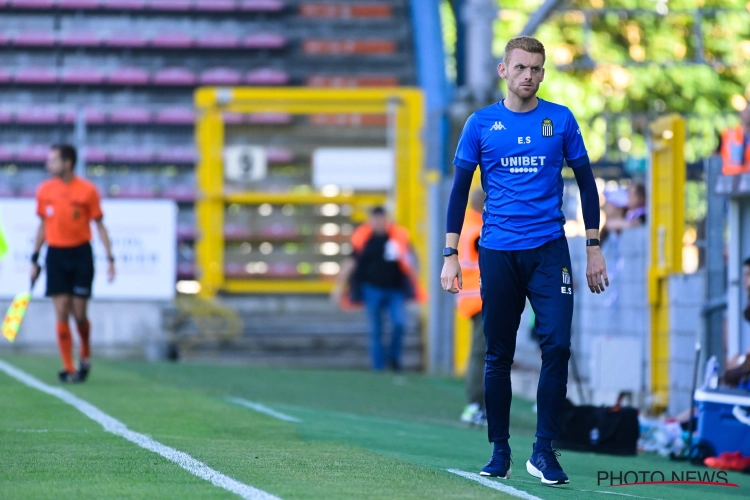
(67, 210)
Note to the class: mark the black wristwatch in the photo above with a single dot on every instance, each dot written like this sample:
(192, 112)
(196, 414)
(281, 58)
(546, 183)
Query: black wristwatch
(448, 251)
(592, 242)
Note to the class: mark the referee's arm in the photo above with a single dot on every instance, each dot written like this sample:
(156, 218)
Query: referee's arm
(38, 242)
(596, 268)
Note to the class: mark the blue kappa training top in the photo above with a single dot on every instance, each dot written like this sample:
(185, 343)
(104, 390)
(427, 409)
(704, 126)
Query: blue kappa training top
(521, 158)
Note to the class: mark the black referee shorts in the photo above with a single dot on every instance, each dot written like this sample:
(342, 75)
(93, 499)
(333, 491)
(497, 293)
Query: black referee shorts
(70, 271)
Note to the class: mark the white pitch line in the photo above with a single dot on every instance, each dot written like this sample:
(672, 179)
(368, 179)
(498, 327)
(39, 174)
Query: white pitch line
(110, 424)
(522, 494)
(264, 409)
(494, 484)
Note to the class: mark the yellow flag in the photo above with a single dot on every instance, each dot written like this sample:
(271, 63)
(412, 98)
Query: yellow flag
(15, 314)
(3, 242)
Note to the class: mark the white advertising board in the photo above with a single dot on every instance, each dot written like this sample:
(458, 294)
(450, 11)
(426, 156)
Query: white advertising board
(358, 168)
(143, 243)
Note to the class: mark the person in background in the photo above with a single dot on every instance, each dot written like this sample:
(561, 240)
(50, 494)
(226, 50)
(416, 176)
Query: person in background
(615, 207)
(381, 272)
(66, 205)
(738, 367)
(636, 209)
(735, 146)
(469, 306)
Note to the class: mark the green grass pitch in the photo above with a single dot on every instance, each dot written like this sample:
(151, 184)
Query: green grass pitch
(359, 436)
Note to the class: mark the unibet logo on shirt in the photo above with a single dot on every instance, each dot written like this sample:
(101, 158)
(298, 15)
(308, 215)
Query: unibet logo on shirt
(521, 172)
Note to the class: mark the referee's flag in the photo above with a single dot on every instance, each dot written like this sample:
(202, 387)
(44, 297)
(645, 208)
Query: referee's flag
(15, 314)
(3, 243)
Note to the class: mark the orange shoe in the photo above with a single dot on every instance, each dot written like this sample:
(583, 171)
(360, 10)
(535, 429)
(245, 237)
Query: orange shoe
(729, 460)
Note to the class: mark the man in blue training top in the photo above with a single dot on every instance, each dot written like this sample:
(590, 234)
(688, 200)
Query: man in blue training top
(520, 145)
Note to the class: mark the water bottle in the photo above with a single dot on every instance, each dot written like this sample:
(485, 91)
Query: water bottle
(711, 377)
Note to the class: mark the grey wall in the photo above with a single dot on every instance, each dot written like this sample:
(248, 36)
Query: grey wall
(119, 329)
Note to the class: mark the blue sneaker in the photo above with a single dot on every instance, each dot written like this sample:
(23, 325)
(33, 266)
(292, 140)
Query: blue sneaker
(544, 465)
(498, 466)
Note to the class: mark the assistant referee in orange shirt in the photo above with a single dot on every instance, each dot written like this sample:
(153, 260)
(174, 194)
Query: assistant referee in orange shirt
(66, 205)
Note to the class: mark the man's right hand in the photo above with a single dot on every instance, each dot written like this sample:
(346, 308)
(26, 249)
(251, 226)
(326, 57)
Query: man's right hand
(35, 270)
(451, 274)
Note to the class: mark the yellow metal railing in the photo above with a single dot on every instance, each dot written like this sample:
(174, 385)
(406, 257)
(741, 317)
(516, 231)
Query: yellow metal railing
(407, 199)
(667, 226)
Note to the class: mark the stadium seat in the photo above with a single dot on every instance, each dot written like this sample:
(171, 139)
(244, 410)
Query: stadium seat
(174, 76)
(342, 10)
(215, 5)
(130, 116)
(170, 5)
(35, 153)
(176, 116)
(261, 5)
(37, 115)
(282, 270)
(5, 116)
(231, 118)
(82, 76)
(32, 4)
(78, 4)
(352, 81)
(180, 192)
(5, 77)
(5, 155)
(266, 76)
(278, 155)
(348, 120)
(124, 4)
(181, 155)
(126, 40)
(186, 270)
(172, 40)
(318, 46)
(268, 118)
(35, 76)
(95, 155)
(220, 76)
(217, 40)
(34, 39)
(264, 41)
(131, 155)
(128, 76)
(4, 39)
(94, 116)
(80, 39)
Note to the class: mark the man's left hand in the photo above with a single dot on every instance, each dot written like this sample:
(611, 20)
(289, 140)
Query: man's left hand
(111, 272)
(596, 270)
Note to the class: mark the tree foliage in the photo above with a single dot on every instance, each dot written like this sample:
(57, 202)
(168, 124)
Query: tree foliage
(618, 64)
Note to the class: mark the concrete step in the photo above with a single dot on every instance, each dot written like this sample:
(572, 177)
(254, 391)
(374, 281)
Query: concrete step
(300, 331)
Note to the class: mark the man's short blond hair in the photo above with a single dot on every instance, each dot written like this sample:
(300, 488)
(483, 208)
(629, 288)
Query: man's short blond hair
(525, 43)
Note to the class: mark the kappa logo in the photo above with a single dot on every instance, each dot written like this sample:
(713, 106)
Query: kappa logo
(547, 128)
(498, 126)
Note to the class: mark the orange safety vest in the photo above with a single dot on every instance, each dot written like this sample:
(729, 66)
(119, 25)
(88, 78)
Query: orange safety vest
(733, 138)
(469, 299)
(406, 262)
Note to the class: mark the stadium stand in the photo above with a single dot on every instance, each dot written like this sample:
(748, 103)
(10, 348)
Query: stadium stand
(131, 67)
